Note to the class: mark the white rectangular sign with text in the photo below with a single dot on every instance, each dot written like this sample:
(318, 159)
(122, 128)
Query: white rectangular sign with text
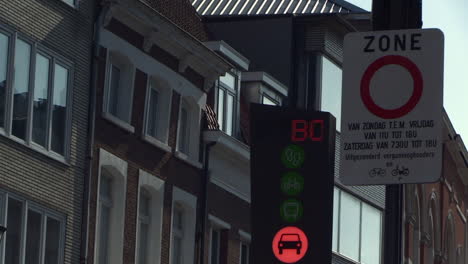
(391, 121)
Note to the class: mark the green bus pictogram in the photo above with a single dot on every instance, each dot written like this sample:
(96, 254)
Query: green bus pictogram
(293, 156)
(292, 183)
(291, 210)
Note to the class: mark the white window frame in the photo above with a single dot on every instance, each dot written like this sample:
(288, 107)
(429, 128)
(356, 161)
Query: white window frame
(74, 5)
(320, 97)
(45, 214)
(218, 225)
(127, 74)
(245, 239)
(188, 204)
(234, 92)
(117, 170)
(194, 117)
(54, 58)
(163, 112)
(361, 204)
(154, 187)
(269, 98)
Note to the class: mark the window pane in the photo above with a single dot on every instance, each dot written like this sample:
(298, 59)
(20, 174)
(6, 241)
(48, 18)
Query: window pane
(244, 254)
(33, 236)
(114, 90)
(52, 244)
(153, 114)
(70, 2)
(3, 75)
(143, 243)
(59, 109)
(144, 205)
(184, 131)
(349, 226)
(331, 89)
(370, 235)
(13, 235)
(220, 113)
(268, 101)
(228, 79)
(41, 84)
(105, 186)
(20, 89)
(229, 113)
(336, 204)
(214, 247)
(104, 222)
(178, 219)
(177, 250)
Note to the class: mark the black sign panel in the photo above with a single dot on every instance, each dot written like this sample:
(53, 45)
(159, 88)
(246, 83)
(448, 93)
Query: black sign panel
(292, 165)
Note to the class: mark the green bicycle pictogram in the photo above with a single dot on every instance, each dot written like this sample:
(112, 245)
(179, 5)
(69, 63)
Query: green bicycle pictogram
(291, 210)
(292, 183)
(293, 156)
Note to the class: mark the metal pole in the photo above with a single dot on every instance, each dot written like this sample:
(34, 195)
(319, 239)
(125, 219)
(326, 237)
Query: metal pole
(391, 15)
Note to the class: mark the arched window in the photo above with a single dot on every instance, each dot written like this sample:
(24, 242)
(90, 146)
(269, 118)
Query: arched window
(110, 208)
(460, 255)
(149, 220)
(435, 228)
(183, 227)
(430, 252)
(449, 240)
(416, 228)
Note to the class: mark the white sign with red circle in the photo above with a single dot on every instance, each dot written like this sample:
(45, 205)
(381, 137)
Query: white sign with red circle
(391, 118)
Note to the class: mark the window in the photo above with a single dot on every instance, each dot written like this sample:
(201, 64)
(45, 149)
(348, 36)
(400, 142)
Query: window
(244, 253)
(268, 101)
(149, 221)
(178, 235)
(36, 98)
(109, 236)
(184, 128)
(119, 90)
(215, 246)
(4, 51)
(144, 226)
(70, 2)
(183, 227)
(227, 103)
(331, 89)
(158, 102)
(357, 229)
(105, 207)
(36, 229)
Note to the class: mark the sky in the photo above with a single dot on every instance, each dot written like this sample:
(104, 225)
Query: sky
(450, 17)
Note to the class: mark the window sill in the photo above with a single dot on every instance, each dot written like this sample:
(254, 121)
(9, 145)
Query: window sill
(125, 126)
(37, 148)
(187, 159)
(348, 259)
(157, 143)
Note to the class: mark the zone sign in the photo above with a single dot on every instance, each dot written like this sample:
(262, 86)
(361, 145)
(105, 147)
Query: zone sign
(391, 120)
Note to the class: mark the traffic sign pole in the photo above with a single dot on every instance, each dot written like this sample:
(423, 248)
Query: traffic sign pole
(387, 15)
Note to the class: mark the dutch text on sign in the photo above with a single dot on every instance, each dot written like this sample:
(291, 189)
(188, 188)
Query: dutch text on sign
(391, 122)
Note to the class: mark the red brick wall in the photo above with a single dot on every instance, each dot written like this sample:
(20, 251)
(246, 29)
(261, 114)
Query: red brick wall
(182, 13)
(139, 155)
(164, 57)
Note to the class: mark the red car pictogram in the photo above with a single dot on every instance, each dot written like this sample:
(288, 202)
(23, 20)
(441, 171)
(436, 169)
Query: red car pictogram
(290, 241)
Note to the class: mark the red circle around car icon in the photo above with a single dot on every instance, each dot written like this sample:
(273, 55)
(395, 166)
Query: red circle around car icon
(290, 244)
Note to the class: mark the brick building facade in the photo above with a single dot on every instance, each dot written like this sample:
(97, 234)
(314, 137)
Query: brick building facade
(435, 229)
(45, 49)
(153, 74)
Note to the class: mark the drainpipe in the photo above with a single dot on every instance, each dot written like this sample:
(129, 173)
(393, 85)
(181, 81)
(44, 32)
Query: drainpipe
(205, 179)
(90, 138)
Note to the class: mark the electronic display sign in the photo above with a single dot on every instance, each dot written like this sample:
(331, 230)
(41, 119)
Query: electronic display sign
(292, 177)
